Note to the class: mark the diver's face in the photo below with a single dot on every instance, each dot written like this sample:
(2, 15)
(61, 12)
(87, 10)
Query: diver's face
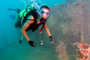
(45, 13)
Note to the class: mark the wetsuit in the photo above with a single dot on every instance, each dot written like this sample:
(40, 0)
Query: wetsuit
(33, 26)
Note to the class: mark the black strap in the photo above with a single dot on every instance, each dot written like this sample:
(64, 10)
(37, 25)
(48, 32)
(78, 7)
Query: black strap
(42, 34)
(31, 19)
(42, 26)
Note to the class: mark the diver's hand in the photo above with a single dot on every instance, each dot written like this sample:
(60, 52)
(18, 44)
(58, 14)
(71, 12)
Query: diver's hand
(51, 39)
(31, 43)
(20, 41)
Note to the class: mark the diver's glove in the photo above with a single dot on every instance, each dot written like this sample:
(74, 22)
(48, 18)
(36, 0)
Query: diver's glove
(31, 43)
(20, 41)
(51, 39)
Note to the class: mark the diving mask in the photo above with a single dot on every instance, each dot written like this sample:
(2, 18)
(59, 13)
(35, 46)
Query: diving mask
(44, 12)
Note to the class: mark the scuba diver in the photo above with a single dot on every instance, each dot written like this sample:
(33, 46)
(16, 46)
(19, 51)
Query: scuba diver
(30, 19)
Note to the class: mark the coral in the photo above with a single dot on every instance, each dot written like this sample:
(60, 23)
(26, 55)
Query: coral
(61, 49)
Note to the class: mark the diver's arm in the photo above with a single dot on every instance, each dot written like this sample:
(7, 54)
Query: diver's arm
(25, 26)
(47, 30)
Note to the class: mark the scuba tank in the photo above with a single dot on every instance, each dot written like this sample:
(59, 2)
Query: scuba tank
(35, 5)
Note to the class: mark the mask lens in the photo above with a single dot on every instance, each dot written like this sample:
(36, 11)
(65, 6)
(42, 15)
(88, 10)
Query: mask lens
(43, 13)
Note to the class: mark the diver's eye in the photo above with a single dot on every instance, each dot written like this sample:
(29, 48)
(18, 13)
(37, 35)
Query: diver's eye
(42, 12)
